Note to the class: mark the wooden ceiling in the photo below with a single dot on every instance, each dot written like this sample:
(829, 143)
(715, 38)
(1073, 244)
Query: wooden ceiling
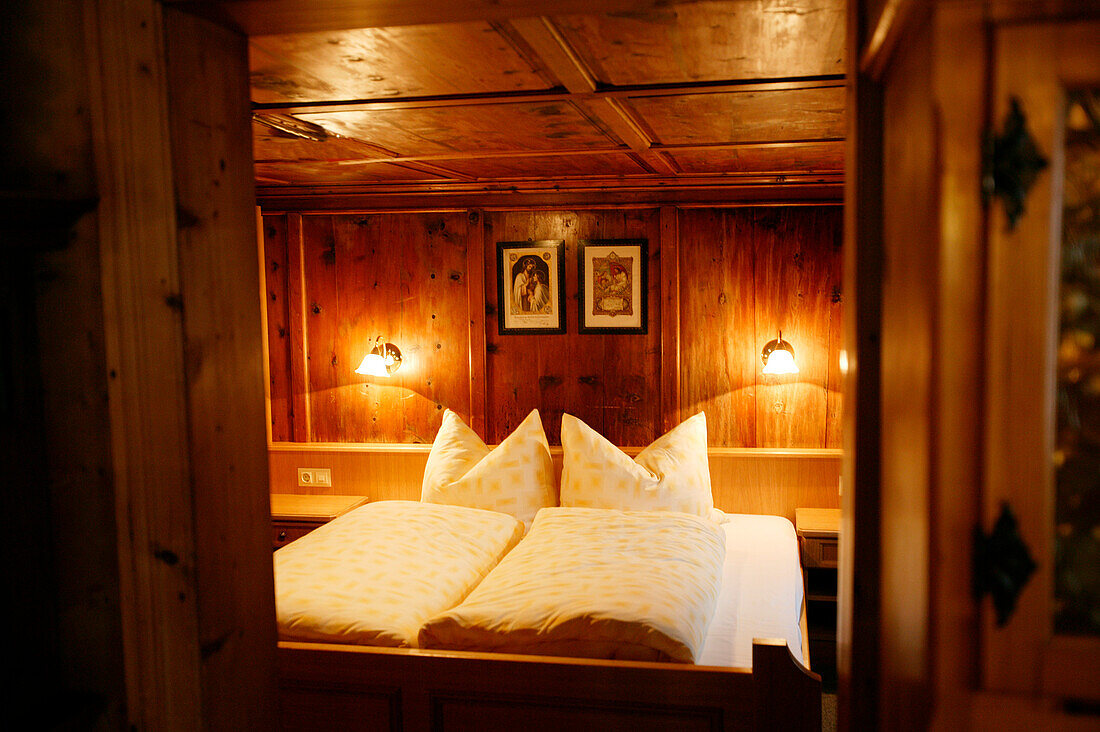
(728, 90)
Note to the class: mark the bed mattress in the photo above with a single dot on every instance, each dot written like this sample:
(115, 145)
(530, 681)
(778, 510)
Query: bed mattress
(762, 591)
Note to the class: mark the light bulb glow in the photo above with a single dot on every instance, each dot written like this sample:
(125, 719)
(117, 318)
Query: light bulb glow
(373, 365)
(781, 361)
(383, 360)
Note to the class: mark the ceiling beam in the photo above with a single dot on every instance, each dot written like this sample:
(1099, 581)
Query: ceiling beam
(556, 54)
(480, 154)
(552, 194)
(271, 17)
(556, 95)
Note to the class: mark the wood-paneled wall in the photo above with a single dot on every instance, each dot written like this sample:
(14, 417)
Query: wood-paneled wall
(721, 283)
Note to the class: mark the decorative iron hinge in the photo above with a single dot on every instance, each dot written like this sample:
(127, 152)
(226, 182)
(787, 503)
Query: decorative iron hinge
(1002, 564)
(1011, 163)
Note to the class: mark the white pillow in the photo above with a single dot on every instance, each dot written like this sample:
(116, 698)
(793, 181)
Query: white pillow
(672, 474)
(516, 477)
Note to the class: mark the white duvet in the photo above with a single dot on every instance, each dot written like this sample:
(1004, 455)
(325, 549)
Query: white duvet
(374, 575)
(588, 582)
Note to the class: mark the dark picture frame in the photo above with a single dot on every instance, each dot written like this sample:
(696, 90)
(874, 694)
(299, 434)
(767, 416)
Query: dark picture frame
(613, 277)
(531, 287)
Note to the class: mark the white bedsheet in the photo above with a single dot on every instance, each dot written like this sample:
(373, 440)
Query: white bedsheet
(761, 594)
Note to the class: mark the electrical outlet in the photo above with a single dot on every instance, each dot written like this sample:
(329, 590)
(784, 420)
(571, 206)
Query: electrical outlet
(314, 476)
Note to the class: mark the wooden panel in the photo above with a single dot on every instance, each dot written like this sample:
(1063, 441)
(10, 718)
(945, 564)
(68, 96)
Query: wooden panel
(1034, 66)
(316, 171)
(744, 480)
(796, 114)
(711, 41)
(475, 289)
(670, 318)
(796, 259)
(545, 166)
(834, 374)
(581, 193)
(305, 707)
(296, 307)
(356, 289)
(266, 17)
(223, 372)
(532, 126)
(609, 381)
(276, 297)
(419, 61)
(909, 292)
(270, 146)
(143, 328)
(808, 158)
(718, 346)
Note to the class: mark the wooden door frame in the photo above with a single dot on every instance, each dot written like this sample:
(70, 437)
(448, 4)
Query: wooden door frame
(183, 348)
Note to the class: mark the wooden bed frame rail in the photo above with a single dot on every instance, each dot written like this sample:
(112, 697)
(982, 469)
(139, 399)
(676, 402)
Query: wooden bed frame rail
(332, 687)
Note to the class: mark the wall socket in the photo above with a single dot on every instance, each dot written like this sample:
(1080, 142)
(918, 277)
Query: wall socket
(308, 477)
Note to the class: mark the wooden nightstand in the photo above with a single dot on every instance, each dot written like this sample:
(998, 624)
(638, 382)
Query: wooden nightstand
(294, 515)
(819, 537)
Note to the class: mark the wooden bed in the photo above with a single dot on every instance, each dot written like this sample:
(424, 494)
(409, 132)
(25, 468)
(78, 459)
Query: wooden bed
(328, 686)
(363, 688)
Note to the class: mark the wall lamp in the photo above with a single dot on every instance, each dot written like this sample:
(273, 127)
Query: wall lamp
(778, 357)
(383, 360)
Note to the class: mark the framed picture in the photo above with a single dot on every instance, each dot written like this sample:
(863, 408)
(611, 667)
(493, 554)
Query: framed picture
(613, 285)
(531, 286)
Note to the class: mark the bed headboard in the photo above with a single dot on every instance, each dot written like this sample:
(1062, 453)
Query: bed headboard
(744, 480)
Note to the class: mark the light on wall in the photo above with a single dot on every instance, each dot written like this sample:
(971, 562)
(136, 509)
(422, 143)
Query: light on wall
(778, 357)
(383, 360)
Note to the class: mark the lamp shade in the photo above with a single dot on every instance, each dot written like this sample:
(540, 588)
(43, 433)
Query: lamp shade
(383, 360)
(778, 357)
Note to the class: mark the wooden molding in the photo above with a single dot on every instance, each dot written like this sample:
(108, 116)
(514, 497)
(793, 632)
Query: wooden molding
(615, 114)
(888, 29)
(527, 195)
(726, 86)
(475, 298)
(270, 17)
(555, 52)
(296, 300)
(744, 480)
(670, 318)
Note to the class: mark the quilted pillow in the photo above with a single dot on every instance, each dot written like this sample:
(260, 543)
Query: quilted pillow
(672, 474)
(516, 477)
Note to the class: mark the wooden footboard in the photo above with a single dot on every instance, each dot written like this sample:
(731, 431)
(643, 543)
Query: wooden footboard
(358, 688)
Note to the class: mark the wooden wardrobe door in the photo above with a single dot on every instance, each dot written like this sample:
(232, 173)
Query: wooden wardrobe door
(1029, 674)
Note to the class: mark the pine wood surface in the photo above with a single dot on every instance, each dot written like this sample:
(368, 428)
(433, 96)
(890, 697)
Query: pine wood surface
(722, 282)
(1034, 64)
(144, 349)
(312, 506)
(710, 43)
(743, 480)
(609, 381)
(817, 521)
(596, 93)
(223, 370)
(336, 686)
